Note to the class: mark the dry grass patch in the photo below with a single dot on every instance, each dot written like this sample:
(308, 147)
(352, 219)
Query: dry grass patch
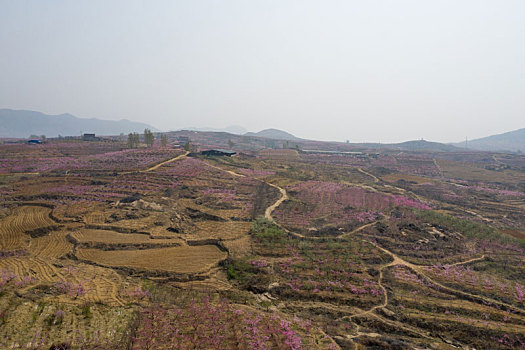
(186, 259)
(22, 219)
(51, 246)
(239, 248)
(40, 325)
(222, 230)
(101, 237)
(472, 172)
(221, 213)
(43, 269)
(408, 178)
(279, 154)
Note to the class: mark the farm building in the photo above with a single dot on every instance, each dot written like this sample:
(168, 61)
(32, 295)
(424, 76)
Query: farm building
(218, 152)
(89, 137)
(34, 142)
(340, 153)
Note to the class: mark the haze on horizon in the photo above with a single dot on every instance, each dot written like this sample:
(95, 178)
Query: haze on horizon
(385, 71)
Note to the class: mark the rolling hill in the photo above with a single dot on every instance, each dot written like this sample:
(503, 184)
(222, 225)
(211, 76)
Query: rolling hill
(232, 129)
(511, 141)
(22, 123)
(273, 134)
(415, 145)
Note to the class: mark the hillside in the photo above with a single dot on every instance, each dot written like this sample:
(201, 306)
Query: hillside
(273, 134)
(232, 129)
(511, 141)
(21, 123)
(415, 145)
(158, 248)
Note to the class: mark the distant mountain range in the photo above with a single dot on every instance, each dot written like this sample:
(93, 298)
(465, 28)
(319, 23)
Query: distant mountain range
(511, 141)
(273, 134)
(416, 145)
(233, 129)
(21, 123)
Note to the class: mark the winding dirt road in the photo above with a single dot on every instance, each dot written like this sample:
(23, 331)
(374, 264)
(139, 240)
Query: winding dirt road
(468, 261)
(155, 167)
(284, 196)
(233, 173)
(376, 180)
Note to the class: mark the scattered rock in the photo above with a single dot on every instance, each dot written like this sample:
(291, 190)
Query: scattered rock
(388, 312)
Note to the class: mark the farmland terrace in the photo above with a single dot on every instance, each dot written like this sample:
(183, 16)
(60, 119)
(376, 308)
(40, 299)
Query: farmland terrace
(107, 247)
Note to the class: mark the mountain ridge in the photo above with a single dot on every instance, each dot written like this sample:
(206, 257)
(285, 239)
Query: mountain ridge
(23, 123)
(273, 134)
(232, 129)
(413, 145)
(510, 141)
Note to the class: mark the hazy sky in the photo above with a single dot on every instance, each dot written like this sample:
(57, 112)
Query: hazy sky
(330, 70)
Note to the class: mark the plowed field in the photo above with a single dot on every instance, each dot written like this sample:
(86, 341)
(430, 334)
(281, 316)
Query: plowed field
(196, 259)
(93, 237)
(22, 219)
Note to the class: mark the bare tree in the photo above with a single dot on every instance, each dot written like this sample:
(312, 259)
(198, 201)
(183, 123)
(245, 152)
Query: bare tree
(133, 140)
(149, 138)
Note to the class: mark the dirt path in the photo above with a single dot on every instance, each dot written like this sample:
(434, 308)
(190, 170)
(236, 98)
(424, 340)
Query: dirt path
(385, 301)
(499, 162)
(155, 167)
(376, 180)
(284, 196)
(391, 323)
(468, 261)
(365, 187)
(11, 174)
(269, 210)
(314, 238)
(472, 212)
(419, 269)
(360, 228)
(439, 168)
(233, 173)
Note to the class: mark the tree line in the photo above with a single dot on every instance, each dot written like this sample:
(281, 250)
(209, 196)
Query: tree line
(149, 139)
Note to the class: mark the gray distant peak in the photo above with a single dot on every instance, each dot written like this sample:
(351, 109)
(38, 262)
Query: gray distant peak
(22, 123)
(273, 134)
(233, 129)
(512, 141)
(413, 145)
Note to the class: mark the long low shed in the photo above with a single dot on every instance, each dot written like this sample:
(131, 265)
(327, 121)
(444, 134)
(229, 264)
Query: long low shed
(218, 152)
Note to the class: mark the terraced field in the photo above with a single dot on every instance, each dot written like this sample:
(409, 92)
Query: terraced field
(23, 219)
(52, 246)
(221, 230)
(43, 269)
(184, 260)
(105, 238)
